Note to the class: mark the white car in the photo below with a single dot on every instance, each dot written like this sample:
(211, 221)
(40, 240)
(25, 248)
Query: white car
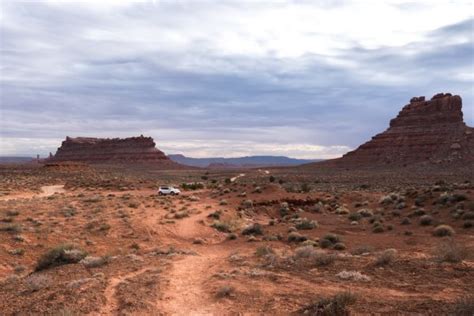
(168, 190)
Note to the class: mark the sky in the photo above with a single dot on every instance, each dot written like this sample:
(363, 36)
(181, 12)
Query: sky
(305, 79)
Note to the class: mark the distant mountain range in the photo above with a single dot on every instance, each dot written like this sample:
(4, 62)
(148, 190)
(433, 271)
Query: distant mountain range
(12, 159)
(240, 162)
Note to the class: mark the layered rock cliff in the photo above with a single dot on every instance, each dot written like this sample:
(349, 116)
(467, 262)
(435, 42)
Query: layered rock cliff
(425, 131)
(110, 150)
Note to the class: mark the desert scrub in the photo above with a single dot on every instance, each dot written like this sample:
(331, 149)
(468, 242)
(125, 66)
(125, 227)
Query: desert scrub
(225, 291)
(354, 217)
(215, 215)
(329, 240)
(386, 257)
(253, 229)
(264, 250)
(443, 230)
(295, 237)
(450, 252)
(313, 257)
(426, 220)
(463, 306)
(360, 250)
(338, 305)
(306, 224)
(60, 255)
(221, 226)
(11, 228)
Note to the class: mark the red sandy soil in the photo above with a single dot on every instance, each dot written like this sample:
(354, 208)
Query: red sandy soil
(164, 257)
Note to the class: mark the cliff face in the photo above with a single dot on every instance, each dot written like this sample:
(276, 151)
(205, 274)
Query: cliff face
(105, 150)
(424, 131)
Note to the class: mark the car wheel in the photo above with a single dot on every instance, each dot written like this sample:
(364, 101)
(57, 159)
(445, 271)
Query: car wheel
(172, 193)
(160, 193)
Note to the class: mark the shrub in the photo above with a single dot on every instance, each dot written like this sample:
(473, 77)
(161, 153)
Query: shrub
(313, 257)
(450, 252)
(193, 186)
(467, 224)
(443, 230)
(426, 220)
(263, 251)
(405, 221)
(305, 188)
(306, 224)
(353, 275)
(339, 246)
(215, 215)
(324, 243)
(225, 291)
(333, 238)
(271, 179)
(354, 216)
(221, 226)
(333, 306)
(94, 262)
(295, 237)
(361, 250)
(464, 306)
(377, 229)
(385, 257)
(60, 255)
(254, 229)
(12, 213)
(365, 212)
(11, 228)
(468, 215)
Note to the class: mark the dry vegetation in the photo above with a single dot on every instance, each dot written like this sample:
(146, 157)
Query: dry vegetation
(277, 241)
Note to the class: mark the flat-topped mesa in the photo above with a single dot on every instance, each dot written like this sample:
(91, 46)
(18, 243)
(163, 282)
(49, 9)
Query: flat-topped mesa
(424, 131)
(109, 150)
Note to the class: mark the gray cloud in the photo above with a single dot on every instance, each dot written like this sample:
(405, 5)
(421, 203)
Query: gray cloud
(176, 72)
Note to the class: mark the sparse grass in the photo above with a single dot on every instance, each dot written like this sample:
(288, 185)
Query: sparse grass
(443, 230)
(338, 305)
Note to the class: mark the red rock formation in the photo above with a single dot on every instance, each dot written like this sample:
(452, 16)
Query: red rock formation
(106, 150)
(424, 131)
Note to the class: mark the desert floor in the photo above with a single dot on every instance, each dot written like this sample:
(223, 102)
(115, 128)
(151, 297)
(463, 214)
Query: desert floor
(276, 241)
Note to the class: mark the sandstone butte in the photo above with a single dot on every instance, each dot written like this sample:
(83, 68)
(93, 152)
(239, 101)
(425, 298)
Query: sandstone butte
(428, 132)
(111, 151)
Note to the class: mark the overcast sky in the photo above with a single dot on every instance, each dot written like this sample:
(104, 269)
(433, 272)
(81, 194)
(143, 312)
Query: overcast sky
(307, 79)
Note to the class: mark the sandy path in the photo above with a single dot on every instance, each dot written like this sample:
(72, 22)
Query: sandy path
(111, 304)
(185, 290)
(46, 191)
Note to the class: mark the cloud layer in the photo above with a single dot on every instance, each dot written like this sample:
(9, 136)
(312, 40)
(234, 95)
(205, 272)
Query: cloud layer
(225, 78)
